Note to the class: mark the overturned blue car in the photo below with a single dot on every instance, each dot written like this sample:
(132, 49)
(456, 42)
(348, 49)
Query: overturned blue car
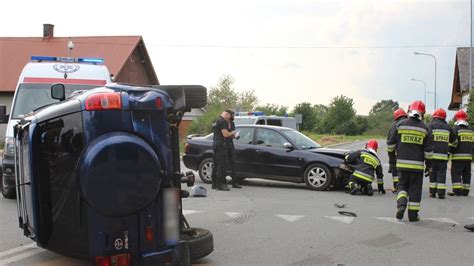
(98, 176)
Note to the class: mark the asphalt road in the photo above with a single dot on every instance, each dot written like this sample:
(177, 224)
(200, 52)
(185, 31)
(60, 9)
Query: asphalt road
(274, 223)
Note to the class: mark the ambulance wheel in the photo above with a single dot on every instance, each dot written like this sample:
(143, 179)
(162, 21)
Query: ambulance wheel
(318, 177)
(205, 170)
(200, 242)
(8, 192)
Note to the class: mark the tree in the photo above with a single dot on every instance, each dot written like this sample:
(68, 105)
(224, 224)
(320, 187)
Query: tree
(222, 96)
(381, 116)
(225, 96)
(470, 107)
(309, 117)
(320, 111)
(340, 115)
(273, 109)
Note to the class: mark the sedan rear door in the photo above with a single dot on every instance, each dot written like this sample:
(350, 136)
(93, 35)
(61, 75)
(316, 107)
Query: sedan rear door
(244, 149)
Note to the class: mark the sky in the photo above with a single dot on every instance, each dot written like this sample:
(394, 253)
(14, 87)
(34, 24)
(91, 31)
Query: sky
(287, 51)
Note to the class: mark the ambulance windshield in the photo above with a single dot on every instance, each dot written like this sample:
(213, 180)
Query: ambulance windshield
(31, 96)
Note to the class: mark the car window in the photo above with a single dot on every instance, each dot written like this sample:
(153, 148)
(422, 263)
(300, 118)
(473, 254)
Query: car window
(261, 122)
(245, 135)
(270, 138)
(274, 122)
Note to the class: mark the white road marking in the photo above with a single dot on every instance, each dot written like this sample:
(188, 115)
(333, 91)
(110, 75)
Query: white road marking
(187, 212)
(290, 218)
(233, 214)
(390, 219)
(344, 219)
(16, 250)
(443, 220)
(21, 256)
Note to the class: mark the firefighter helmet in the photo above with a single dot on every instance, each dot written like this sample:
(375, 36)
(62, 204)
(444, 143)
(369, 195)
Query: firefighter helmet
(417, 109)
(372, 144)
(399, 113)
(460, 116)
(440, 113)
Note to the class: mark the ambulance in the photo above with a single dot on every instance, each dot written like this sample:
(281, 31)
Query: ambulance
(34, 92)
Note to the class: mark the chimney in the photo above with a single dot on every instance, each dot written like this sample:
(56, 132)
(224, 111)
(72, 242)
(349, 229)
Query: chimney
(48, 31)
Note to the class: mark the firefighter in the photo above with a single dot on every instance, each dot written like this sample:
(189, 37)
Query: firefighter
(461, 155)
(398, 116)
(231, 150)
(414, 148)
(220, 148)
(442, 135)
(367, 164)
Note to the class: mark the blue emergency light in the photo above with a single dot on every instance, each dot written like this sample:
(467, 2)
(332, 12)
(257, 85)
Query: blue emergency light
(67, 59)
(257, 113)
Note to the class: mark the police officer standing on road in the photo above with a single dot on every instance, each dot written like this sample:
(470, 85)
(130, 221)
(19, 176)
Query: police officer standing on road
(461, 155)
(231, 149)
(398, 116)
(220, 147)
(414, 148)
(442, 135)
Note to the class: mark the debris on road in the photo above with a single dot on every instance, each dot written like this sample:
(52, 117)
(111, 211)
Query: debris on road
(351, 214)
(340, 206)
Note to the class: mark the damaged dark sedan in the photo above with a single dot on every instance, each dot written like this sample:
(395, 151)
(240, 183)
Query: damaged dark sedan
(274, 153)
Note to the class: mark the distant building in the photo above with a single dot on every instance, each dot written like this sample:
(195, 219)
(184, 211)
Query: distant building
(460, 92)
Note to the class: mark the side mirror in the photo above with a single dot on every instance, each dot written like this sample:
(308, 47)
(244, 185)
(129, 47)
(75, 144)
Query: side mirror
(3, 114)
(58, 92)
(288, 146)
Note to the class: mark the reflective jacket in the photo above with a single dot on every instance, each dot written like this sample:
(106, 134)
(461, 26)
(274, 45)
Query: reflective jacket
(392, 156)
(413, 144)
(367, 164)
(462, 150)
(442, 135)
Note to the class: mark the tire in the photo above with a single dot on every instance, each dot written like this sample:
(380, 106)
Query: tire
(8, 192)
(200, 242)
(196, 96)
(318, 177)
(205, 170)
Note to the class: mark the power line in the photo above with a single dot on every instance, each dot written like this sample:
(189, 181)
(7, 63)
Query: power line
(257, 46)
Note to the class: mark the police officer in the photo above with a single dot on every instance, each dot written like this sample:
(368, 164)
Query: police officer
(414, 148)
(231, 149)
(220, 147)
(398, 116)
(442, 135)
(461, 155)
(367, 164)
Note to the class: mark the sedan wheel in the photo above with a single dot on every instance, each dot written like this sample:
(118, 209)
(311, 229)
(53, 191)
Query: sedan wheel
(205, 170)
(318, 177)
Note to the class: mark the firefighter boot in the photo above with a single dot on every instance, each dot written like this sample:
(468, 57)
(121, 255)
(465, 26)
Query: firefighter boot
(413, 216)
(353, 187)
(370, 191)
(395, 188)
(402, 200)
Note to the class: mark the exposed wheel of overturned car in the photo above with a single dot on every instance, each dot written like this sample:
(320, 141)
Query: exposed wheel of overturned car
(8, 192)
(200, 242)
(318, 176)
(205, 170)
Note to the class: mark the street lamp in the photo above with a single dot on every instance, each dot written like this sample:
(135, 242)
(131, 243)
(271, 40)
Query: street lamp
(419, 80)
(417, 53)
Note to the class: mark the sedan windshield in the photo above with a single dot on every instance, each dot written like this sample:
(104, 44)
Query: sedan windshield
(301, 141)
(31, 96)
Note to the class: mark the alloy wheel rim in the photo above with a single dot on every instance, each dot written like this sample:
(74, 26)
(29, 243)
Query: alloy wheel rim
(207, 170)
(317, 177)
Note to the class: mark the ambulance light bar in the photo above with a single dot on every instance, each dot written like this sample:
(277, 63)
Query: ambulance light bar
(67, 59)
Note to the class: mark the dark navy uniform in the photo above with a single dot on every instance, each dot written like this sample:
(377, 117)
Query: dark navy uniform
(413, 146)
(442, 136)
(220, 148)
(461, 159)
(367, 164)
(392, 156)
